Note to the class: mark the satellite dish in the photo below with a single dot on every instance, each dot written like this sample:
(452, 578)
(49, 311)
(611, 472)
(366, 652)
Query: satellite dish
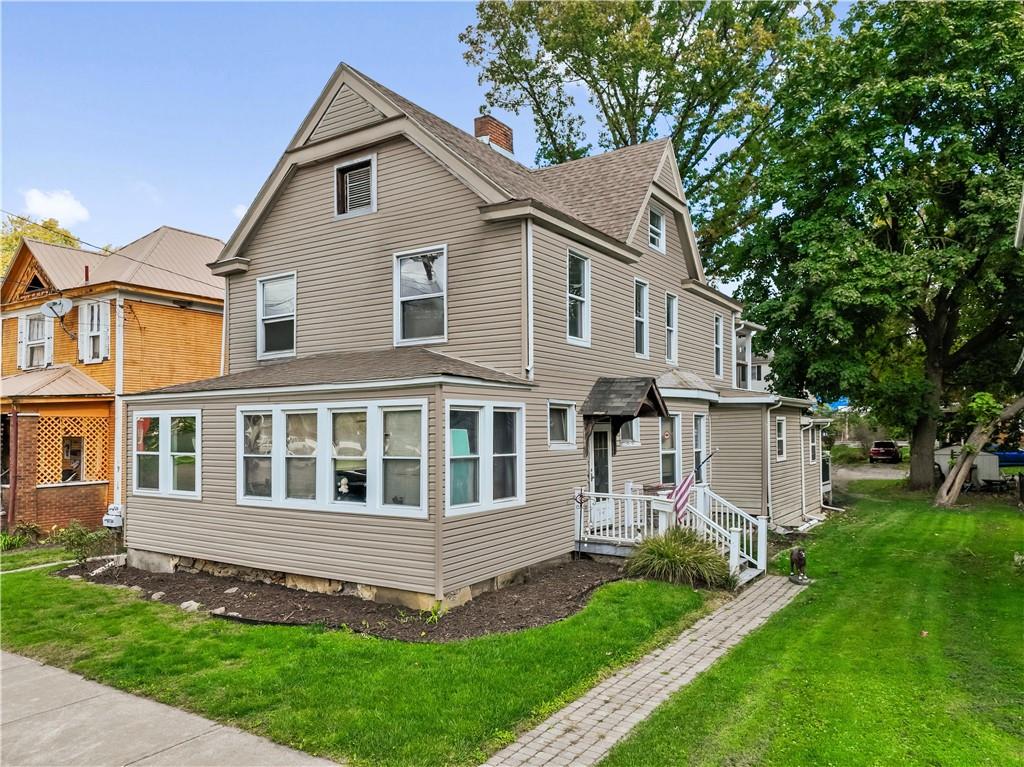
(57, 308)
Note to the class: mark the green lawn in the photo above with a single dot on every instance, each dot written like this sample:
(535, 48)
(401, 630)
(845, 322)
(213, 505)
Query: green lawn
(845, 676)
(12, 560)
(339, 694)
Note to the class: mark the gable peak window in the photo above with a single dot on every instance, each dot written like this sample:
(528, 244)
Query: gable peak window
(35, 284)
(355, 186)
(420, 310)
(656, 229)
(578, 300)
(640, 318)
(275, 299)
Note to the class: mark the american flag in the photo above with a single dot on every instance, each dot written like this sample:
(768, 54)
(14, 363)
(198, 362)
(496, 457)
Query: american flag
(681, 496)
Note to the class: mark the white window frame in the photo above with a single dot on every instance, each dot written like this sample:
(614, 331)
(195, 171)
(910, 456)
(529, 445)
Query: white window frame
(814, 435)
(46, 342)
(373, 187)
(586, 299)
(397, 300)
(485, 451)
(101, 333)
(780, 442)
(570, 425)
(702, 453)
(375, 505)
(166, 457)
(644, 317)
(719, 342)
(634, 438)
(656, 232)
(677, 464)
(260, 335)
(671, 328)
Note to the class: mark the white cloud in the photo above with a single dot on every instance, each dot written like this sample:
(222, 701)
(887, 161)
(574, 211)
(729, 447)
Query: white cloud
(59, 204)
(239, 210)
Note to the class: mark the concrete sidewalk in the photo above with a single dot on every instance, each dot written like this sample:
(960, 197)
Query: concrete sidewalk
(51, 717)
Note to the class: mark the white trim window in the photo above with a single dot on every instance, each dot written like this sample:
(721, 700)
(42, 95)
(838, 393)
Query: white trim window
(421, 296)
(561, 424)
(629, 433)
(719, 347)
(355, 187)
(35, 341)
(363, 457)
(93, 331)
(668, 450)
(814, 437)
(275, 316)
(485, 456)
(700, 446)
(167, 453)
(780, 438)
(640, 314)
(577, 299)
(671, 328)
(656, 229)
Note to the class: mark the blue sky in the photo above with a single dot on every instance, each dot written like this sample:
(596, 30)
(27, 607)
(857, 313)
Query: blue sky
(174, 113)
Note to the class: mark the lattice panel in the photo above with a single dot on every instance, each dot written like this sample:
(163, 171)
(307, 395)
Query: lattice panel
(50, 446)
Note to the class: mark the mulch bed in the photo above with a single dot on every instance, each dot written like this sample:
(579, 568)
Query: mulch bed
(549, 595)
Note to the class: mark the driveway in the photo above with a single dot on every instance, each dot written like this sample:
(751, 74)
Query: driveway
(844, 473)
(54, 718)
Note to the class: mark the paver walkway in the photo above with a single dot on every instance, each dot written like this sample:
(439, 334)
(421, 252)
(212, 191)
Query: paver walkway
(583, 732)
(54, 718)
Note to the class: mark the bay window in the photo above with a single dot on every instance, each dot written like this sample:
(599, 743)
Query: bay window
(420, 296)
(166, 453)
(485, 452)
(362, 457)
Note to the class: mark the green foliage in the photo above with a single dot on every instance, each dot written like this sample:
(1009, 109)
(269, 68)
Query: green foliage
(81, 543)
(679, 556)
(702, 73)
(10, 541)
(29, 530)
(14, 228)
(845, 454)
(437, 611)
(984, 408)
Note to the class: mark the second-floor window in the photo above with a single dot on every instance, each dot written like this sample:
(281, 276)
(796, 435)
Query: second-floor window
(93, 331)
(700, 442)
(275, 300)
(35, 338)
(719, 348)
(671, 326)
(656, 229)
(355, 187)
(420, 309)
(780, 439)
(578, 299)
(640, 318)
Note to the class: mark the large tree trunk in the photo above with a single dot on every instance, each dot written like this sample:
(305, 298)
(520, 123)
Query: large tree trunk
(954, 482)
(922, 438)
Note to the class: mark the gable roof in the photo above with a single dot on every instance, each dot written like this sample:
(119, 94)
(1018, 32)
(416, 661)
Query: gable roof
(624, 398)
(165, 259)
(55, 381)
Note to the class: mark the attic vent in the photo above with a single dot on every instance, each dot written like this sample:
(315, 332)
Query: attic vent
(35, 284)
(355, 188)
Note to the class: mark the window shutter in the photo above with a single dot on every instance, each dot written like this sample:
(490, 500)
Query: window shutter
(83, 329)
(104, 309)
(48, 354)
(22, 324)
(358, 188)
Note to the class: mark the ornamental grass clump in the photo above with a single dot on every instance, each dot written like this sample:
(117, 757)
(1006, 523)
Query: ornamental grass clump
(680, 556)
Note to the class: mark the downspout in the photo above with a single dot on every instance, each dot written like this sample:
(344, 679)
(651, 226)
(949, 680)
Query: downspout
(735, 336)
(529, 299)
(769, 433)
(440, 432)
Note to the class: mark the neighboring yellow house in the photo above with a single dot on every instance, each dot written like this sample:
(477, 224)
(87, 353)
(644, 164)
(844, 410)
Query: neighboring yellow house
(81, 329)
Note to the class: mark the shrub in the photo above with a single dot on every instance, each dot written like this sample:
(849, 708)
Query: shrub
(9, 541)
(31, 532)
(81, 543)
(680, 556)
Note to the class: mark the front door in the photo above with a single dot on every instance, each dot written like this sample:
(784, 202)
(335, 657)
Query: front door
(601, 510)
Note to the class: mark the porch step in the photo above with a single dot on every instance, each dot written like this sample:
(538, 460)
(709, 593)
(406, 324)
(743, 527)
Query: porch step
(747, 575)
(604, 549)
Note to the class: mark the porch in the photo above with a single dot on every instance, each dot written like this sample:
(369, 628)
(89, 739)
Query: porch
(611, 524)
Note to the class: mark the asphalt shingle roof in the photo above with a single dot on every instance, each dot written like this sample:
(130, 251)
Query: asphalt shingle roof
(627, 397)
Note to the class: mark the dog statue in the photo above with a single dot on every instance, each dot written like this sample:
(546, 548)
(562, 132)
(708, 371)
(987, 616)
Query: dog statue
(798, 566)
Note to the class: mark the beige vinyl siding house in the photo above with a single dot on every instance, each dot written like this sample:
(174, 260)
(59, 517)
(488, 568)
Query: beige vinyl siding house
(393, 262)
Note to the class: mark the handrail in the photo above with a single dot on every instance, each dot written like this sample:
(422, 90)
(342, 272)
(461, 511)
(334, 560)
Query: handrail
(752, 531)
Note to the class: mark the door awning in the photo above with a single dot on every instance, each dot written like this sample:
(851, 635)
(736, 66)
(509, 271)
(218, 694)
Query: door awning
(618, 401)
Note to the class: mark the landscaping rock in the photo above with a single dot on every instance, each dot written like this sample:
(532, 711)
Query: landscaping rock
(156, 596)
(74, 577)
(235, 615)
(190, 606)
(136, 589)
(232, 590)
(218, 611)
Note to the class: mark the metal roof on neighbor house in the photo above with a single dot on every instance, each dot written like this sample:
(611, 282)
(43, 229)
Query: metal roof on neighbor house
(55, 381)
(165, 259)
(344, 368)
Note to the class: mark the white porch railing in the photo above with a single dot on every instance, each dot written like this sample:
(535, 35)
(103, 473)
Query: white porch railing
(753, 531)
(620, 518)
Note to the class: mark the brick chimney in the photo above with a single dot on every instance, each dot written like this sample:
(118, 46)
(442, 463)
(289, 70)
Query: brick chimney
(494, 132)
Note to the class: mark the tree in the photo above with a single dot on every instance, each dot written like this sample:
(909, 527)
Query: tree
(14, 228)
(702, 73)
(886, 268)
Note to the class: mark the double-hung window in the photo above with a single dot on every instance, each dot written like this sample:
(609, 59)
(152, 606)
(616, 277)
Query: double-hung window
(167, 453)
(362, 457)
(355, 187)
(562, 424)
(780, 439)
(671, 328)
(656, 229)
(719, 348)
(700, 446)
(669, 450)
(486, 467)
(93, 331)
(36, 333)
(578, 300)
(629, 433)
(275, 306)
(420, 291)
(814, 436)
(640, 328)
